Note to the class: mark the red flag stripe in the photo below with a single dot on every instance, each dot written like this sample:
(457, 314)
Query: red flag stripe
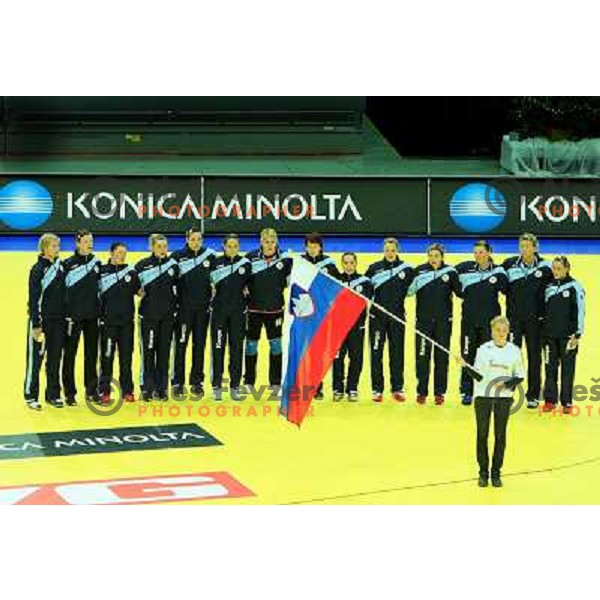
(325, 345)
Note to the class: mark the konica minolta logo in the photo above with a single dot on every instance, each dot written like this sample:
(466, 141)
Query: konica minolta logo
(246, 207)
(25, 204)
(92, 441)
(477, 207)
(559, 208)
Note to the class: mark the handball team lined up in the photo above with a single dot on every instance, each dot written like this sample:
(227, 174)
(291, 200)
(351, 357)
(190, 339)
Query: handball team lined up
(197, 293)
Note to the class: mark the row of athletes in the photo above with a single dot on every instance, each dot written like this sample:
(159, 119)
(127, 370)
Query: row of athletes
(185, 291)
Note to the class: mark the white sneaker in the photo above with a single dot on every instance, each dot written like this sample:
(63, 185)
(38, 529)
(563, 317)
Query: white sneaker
(33, 404)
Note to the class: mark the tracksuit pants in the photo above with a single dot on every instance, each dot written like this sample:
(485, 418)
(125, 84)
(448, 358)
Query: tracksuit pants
(194, 324)
(74, 329)
(52, 349)
(441, 331)
(471, 337)
(531, 332)
(273, 323)
(353, 348)
(556, 355)
(111, 338)
(155, 346)
(382, 328)
(484, 408)
(227, 328)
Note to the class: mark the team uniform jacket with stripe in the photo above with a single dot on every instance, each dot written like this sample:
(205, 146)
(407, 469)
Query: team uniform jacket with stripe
(434, 289)
(230, 278)
(390, 280)
(194, 277)
(324, 262)
(360, 284)
(118, 286)
(158, 278)
(82, 274)
(479, 290)
(46, 291)
(564, 313)
(269, 280)
(526, 285)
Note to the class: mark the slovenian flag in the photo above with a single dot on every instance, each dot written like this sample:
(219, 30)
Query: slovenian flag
(321, 312)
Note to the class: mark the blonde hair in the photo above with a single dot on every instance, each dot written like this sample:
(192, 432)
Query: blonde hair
(46, 240)
(499, 320)
(529, 237)
(156, 237)
(267, 233)
(392, 240)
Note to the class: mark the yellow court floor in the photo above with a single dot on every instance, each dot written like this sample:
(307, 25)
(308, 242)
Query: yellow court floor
(359, 453)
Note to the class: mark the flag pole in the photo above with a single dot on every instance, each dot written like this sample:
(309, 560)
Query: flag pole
(400, 320)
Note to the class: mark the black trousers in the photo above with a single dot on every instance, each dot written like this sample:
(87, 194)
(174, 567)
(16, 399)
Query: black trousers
(484, 407)
(471, 337)
(52, 348)
(531, 332)
(227, 328)
(273, 323)
(74, 329)
(353, 348)
(156, 336)
(440, 330)
(111, 338)
(382, 328)
(555, 356)
(192, 323)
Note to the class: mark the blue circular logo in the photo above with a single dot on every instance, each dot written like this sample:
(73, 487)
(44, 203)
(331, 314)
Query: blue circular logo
(25, 204)
(477, 207)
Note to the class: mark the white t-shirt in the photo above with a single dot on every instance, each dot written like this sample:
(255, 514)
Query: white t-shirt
(496, 364)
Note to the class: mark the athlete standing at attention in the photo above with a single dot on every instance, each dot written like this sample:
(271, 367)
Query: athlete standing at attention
(313, 245)
(481, 282)
(353, 346)
(158, 275)
(82, 274)
(500, 370)
(528, 275)
(434, 284)
(195, 264)
(230, 279)
(564, 317)
(46, 323)
(391, 278)
(119, 283)
(270, 270)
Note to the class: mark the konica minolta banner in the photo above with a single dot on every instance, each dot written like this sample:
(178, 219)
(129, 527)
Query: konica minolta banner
(507, 206)
(219, 204)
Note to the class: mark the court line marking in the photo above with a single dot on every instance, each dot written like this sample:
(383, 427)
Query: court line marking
(444, 483)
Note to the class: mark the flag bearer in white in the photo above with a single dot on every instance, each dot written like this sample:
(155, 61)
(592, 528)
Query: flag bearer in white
(501, 366)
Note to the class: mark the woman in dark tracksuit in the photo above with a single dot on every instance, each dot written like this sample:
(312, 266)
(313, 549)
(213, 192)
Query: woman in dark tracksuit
(564, 316)
(82, 273)
(230, 278)
(46, 323)
(434, 284)
(119, 283)
(158, 275)
(353, 346)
